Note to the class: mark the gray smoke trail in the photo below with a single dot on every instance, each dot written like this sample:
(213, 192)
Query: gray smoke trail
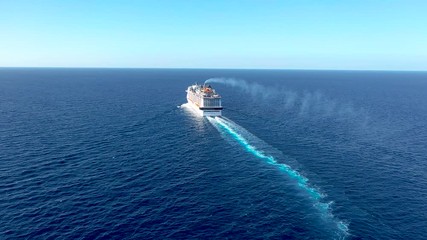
(254, 89)
(308, 104)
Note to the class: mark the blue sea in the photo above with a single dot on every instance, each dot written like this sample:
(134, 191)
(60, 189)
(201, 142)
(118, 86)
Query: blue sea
(117, 154)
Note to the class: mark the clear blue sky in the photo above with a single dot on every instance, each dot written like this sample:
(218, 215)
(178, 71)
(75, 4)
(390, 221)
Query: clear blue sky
(288, 34)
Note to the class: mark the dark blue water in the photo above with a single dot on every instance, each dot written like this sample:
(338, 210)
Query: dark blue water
(107, 154)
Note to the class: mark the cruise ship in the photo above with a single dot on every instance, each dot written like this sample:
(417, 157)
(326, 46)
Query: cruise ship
(204, 100)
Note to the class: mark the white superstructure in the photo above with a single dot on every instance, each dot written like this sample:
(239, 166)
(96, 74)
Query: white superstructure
(204, 99)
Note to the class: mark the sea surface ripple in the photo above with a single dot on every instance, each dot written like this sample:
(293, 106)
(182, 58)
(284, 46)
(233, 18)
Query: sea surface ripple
(106, 154)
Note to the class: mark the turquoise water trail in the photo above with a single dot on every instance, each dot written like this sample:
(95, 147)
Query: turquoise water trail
(238, 134)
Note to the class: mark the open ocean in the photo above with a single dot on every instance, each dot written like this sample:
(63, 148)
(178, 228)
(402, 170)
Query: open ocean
(117, 154)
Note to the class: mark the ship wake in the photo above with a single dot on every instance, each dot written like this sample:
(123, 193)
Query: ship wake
(270, 155)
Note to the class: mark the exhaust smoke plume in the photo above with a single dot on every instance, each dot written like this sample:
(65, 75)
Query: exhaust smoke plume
(308, 104)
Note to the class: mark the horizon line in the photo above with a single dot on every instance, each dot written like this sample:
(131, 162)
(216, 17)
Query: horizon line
(215, 68)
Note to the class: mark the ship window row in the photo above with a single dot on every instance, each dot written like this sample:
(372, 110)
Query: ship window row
(215, 102)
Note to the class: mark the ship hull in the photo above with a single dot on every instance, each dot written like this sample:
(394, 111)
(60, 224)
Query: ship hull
(205, 112)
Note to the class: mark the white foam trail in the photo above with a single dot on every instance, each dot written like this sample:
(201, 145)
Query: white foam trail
(248, 141)
(184, 105)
